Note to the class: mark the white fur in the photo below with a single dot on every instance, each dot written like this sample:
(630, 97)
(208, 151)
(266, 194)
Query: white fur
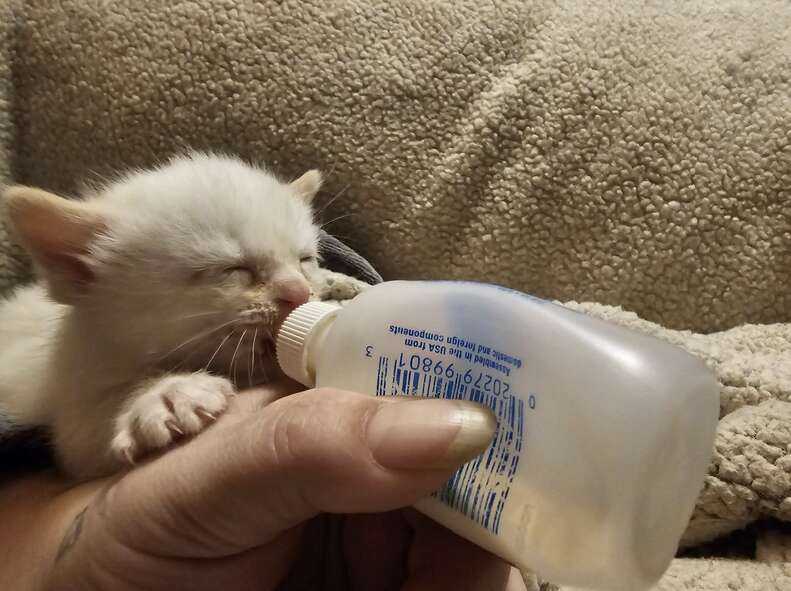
(101, 368)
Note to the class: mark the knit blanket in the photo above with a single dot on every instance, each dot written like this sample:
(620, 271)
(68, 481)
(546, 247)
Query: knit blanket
(750, 472)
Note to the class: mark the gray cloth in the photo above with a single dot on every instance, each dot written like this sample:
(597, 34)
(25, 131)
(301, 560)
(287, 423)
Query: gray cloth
(340, 258)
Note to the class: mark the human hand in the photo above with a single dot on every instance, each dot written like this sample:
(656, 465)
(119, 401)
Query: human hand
(235, 508)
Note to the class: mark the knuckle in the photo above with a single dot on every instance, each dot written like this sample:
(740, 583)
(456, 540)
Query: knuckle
(315, 427)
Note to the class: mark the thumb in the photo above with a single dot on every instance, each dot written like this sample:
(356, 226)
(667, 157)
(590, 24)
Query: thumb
(256, 475)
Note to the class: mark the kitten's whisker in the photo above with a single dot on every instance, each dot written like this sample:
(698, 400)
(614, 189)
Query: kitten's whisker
(200, 335)
(232, 368)
(193, 350)
(271, 350)
(263, 372)
(251, 368)
(268, 335)
(331, 201)
(217, 350)
(332, 170)
(348, 240)
(340, 217)
(199, 315)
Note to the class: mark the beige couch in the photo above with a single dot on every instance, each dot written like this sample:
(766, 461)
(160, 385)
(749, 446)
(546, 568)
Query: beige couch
(631, 154)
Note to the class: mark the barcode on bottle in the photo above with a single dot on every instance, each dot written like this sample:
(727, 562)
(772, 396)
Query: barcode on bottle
(480, 488)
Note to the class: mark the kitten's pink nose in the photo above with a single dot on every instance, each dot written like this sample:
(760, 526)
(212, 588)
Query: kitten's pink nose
(291, 291)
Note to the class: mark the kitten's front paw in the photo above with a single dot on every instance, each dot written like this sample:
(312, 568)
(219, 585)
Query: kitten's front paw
(166, 409)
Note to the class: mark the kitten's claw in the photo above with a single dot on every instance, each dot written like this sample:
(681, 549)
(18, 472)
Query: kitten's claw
(174, 428)
(127, 453)
(167, 409)
(206, 415)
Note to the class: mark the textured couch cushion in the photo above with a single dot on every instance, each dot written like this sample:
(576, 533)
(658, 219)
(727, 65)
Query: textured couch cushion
(12, 263)
(618, 152)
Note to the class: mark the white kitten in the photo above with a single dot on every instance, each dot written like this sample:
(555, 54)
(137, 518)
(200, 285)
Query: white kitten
(160, 293)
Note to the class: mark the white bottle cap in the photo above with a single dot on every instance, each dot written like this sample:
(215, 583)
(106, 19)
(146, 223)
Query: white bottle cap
(295, 335)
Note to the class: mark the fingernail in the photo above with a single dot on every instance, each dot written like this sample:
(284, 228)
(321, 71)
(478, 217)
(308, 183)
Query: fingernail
(426, 434)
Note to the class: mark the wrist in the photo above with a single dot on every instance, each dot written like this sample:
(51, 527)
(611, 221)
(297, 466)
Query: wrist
(42, 511)
(27, 538)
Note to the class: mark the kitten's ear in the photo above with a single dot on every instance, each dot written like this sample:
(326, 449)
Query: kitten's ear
(308, 185)
(57, 233)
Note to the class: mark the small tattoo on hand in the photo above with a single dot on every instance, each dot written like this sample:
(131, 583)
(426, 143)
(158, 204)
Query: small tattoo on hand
(72, 535)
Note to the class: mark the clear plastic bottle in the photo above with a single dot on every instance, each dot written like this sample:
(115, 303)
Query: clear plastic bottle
(604, 434)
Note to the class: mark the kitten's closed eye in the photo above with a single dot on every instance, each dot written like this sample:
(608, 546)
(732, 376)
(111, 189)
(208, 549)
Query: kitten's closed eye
(308, 258)
(241, 273)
